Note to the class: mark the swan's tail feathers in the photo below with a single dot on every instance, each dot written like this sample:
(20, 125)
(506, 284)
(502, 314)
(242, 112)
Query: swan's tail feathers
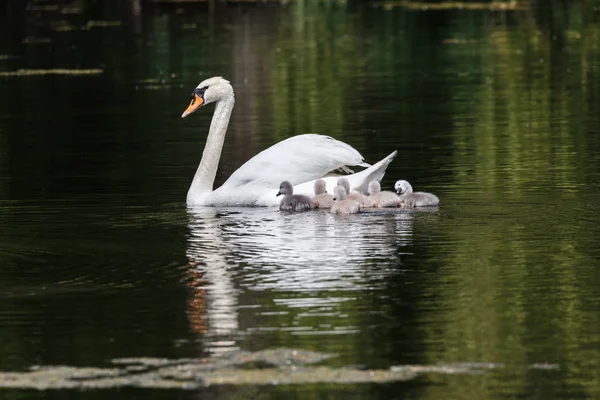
(346, 169)
(358, 181)
(374, 173)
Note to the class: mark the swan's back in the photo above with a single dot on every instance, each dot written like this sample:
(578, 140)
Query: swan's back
(307, 157)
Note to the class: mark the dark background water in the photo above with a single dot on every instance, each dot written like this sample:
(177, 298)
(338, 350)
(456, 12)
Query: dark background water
(498, 113)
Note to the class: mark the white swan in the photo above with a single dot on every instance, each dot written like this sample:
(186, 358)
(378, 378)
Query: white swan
(416, 199)
(300, 159)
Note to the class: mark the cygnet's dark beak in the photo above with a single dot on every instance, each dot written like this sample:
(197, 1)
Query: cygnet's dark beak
(278, 193)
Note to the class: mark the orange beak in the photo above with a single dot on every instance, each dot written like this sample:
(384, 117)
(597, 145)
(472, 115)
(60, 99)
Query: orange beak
(195, 104)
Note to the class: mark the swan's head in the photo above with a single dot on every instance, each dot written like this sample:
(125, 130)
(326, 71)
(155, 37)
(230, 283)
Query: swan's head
(344, 182)
(374, 187)
(339, 193)
(320, 187)
(208, 91)
(403, 187)
(285, 188)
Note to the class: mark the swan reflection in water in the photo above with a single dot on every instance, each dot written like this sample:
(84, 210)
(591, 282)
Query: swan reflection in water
(306, 261)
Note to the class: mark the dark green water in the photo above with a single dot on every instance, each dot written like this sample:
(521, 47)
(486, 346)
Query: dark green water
(496, 113)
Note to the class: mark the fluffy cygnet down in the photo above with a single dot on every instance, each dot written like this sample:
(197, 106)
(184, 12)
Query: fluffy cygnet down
(382, 199)
(291, 201)
(361, 198)
(416, 199)
(322, 199)
(343, 205)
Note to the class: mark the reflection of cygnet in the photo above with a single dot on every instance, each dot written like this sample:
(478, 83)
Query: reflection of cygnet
(343, 205)
(417, 199)
(322, 199)
(382, 199)
(361, 198)
(291, 201)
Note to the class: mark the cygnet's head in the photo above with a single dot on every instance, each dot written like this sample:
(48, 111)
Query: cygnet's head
(344, 182)
(403, 187)
(320, 187)
(374, 187)
(285, 188)
(339, 193)
(208, 91)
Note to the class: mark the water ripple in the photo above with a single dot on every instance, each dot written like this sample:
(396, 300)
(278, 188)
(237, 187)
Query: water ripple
(311, 263)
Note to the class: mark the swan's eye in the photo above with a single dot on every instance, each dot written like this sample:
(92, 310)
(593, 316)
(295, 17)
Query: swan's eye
(200, 91)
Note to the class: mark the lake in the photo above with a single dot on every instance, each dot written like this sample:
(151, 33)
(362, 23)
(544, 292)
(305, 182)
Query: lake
(109, 284)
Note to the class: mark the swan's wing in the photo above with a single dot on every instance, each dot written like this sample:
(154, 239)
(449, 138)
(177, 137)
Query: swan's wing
(358, 181)
(298, 159)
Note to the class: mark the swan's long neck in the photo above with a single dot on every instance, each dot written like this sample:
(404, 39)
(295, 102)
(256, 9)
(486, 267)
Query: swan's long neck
(207, 170)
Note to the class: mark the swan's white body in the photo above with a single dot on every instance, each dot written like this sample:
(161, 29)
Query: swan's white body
(300, 160)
